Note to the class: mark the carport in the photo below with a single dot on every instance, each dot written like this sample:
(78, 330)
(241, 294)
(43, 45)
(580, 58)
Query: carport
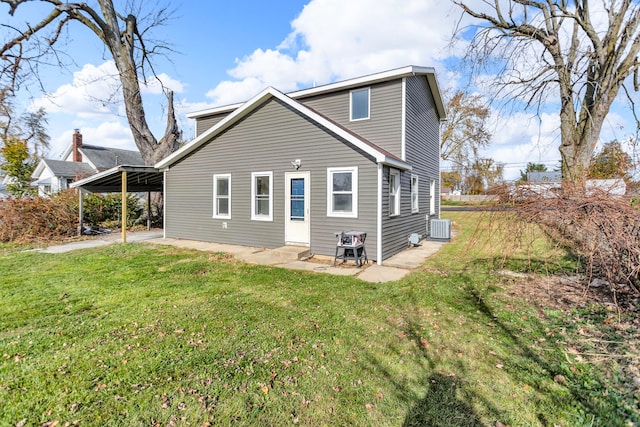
(122, 179)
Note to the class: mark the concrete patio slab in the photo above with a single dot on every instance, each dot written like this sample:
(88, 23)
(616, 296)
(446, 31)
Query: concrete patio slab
(414, 256)
(382, 273)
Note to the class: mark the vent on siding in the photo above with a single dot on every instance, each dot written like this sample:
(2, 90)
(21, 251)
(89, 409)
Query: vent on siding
(440, 229)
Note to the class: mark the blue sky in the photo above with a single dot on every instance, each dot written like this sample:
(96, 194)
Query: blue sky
(228, 51)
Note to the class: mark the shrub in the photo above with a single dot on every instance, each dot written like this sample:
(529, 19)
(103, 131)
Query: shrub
(602, 230)
(105, 209)
(38, 217)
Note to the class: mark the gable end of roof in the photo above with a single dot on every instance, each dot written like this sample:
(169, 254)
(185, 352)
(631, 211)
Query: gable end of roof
(378, 154)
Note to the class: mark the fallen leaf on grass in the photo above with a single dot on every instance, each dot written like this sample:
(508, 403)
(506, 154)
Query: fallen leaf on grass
(499, 366)
(369, 406)
(21, 423)
(559, 379)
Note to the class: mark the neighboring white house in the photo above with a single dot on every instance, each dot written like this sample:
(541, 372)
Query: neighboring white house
(79, 161)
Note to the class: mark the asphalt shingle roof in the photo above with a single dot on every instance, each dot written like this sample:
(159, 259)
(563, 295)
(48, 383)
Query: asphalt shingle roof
(105, 158)
(68, 169)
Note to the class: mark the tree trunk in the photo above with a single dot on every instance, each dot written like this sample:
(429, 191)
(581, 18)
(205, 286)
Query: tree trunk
(121, 46)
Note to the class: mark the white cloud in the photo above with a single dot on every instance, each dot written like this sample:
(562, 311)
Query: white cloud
(335, 39)
(113, 134)
(157, 84)
(95, 93)
(519, 138)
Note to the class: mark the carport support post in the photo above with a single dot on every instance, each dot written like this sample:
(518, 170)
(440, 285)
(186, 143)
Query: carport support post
(80, 210)
(124, 207)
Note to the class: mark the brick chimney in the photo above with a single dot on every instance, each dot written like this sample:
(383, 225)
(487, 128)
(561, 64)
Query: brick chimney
(77, 143)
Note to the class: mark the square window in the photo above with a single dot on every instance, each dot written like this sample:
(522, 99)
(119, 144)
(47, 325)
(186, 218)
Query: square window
(394, 192)
(222, 196)
(415, 206)
(262, 196)
(359, 104)
(342, 192)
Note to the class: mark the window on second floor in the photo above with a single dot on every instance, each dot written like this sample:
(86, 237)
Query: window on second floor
(359, 104)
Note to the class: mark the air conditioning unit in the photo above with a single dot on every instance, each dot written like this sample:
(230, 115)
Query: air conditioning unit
(440, 229)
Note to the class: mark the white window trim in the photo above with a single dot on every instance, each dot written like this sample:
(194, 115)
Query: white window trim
(396, 196)
(415, 208)
(215, 195)
(432, 197)
(351, 119)
(354, 192)
(255, 217)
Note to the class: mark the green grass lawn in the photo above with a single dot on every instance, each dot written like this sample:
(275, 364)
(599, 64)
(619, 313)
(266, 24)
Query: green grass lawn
(136, 334)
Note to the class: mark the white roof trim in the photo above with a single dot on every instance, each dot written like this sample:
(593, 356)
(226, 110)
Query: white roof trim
(257, 100)
(91, 178)
(345, 84)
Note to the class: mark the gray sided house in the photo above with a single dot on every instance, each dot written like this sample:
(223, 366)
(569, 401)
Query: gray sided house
(293, 169)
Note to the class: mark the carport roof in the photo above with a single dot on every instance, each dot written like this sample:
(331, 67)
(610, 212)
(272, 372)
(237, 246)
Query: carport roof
(139, 179)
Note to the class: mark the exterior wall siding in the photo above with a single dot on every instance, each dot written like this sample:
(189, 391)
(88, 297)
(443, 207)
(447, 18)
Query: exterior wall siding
(205, 123)
(267, 140)
(423, 154)
(384, 125)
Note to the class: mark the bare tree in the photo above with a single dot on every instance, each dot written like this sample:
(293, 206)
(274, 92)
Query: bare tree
(581, 55)
(121, 35)
(464, 132)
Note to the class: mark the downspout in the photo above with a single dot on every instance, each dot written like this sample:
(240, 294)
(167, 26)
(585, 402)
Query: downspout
(379, 219)
(164, 203)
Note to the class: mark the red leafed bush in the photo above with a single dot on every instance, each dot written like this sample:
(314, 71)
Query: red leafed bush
(36, 218)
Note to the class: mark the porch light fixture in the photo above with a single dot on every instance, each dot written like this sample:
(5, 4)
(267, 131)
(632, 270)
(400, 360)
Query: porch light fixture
(296, 164)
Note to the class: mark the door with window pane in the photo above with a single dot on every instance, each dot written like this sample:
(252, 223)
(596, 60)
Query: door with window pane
(297, 221)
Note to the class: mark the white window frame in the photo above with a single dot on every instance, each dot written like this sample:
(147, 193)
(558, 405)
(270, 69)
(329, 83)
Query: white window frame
(368, 90)
(254, 216)
(354, 192)
(432, 197)
(394, 193)
(217, 177)
(415, 194)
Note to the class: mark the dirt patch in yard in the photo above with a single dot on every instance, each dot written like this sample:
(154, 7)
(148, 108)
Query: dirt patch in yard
(570, 292)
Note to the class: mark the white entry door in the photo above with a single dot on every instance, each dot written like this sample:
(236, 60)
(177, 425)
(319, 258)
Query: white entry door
(297, 224)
